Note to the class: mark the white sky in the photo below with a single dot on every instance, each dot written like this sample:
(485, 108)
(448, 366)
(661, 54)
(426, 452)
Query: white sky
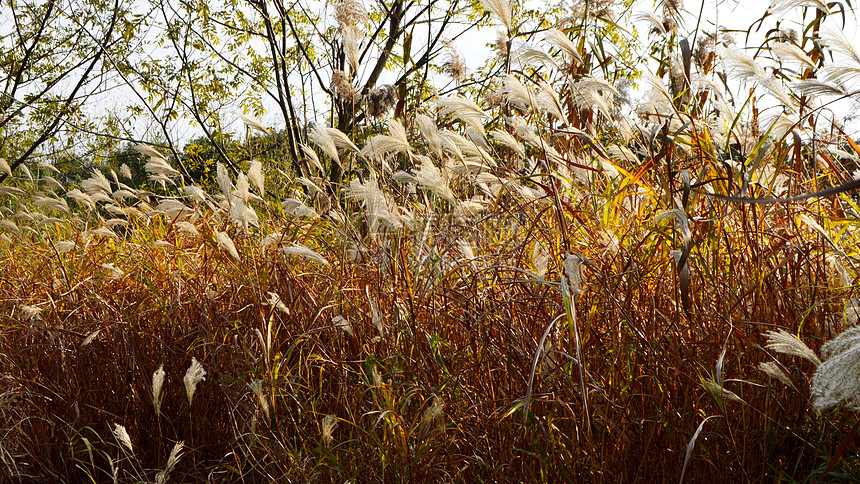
(730, 15)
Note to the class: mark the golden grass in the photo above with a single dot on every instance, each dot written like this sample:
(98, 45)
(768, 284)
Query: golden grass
(561, 302)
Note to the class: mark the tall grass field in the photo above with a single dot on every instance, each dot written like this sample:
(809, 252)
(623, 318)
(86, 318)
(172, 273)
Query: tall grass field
(527, 279)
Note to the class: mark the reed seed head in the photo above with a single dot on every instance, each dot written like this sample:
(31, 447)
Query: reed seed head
(121, 435)
(157, 383)
(194, 375)
(329, 423)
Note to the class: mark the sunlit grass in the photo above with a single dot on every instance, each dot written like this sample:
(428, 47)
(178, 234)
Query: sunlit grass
(559, 300)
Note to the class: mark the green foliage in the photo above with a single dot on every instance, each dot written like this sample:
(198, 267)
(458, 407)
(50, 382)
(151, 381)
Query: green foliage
(200, 157)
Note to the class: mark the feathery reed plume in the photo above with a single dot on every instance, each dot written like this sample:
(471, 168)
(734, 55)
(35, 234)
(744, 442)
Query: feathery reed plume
(549, 102)
(430, 177)
(515, 93)
(376, 377)
(243, 188)
(104, 232)
(597, 94)
(455, 66)
(395, 142)
(163, 476)
(342, 87)
(121, 435)
(224, 182)
(540, 259)
(525, 132)
(502, 10)
(352, 40)
(466, 209)
(836, 272)
(621, 154)
(817, 87)
(226, 243)
(787, 52)
(64, 246)
(255, 176)
(841, 72)
(175, 210)
(403, 178)
(148, 151)
(120, 211)
(276, 302)
(243, 215)
(302, 251)
(122, 195)
(329, 423)
(719, 392)
(777, 7)
(380, 100)
(9, 191)
(430, 132)
(376, 205)
(432, 415)
(157, 382)
(572, 266)
(340, 140)
(23, 167)
(53, 181)
(310, 185)
(349, 13)
(672, 14)
(125, 171)
(452, 142)
(311, 157)
(4, 167)
(115, 272)
(196, 193)
(320, 136)
(194, 375)
(836, 40)
(376, 316)
(481, 147)
(463, 109)
(187, 228)
(772, 369)
(501, 45)
(10, 225)
(53, 203)
(295, 208)
(507, 139)
(98, 183)
(835, 381)
(529, 56)
(90, 338)
(744, 68)
(343, 323)
(563, 42)
(29, 313)
(253, 123)
(465, 249)
(257, 387)
(788, 344)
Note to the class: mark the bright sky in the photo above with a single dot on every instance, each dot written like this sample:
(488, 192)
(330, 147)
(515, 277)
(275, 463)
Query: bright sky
(728, 14)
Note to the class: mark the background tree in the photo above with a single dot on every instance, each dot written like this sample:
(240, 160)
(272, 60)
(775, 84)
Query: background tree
(53, 61)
